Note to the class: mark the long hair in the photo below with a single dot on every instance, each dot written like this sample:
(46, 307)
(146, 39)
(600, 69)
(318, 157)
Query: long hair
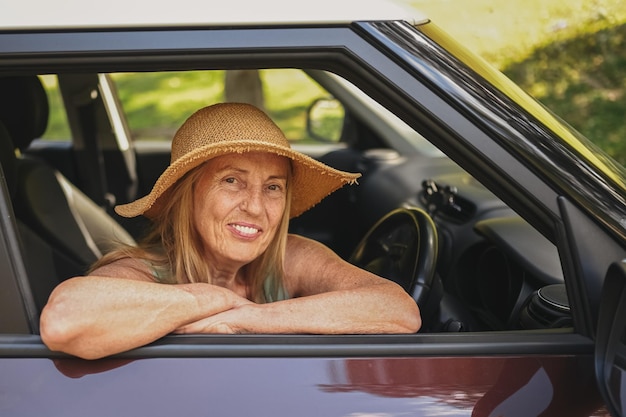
(173, 248)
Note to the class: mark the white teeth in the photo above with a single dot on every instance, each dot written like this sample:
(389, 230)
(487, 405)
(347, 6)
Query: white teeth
(245, 229)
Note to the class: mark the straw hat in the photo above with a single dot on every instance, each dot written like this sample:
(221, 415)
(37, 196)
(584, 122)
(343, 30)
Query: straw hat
(235, 127)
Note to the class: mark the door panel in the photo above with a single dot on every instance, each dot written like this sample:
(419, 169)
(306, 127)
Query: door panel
(611, 341)
(457, 386)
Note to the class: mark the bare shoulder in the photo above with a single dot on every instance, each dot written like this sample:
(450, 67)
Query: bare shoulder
(311, 267)
(127, 268)
(300, 245)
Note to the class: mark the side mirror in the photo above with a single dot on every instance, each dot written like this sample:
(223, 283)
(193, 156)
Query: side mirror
(324, 119)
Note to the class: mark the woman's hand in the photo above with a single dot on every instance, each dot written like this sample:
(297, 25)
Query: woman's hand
(234, 321)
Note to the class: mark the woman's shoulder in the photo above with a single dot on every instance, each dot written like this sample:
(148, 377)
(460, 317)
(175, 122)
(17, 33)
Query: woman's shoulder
(296, 241)
(297, 244)
(128, 268)
(310, 249)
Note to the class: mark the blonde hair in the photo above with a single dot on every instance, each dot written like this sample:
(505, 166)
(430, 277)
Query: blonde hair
(173, 247)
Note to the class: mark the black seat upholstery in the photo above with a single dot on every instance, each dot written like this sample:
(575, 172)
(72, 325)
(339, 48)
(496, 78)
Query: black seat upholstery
(23, 109)
(44, 264)
(74, 230)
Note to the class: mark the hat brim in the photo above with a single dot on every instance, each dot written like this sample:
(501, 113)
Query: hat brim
(312, 180)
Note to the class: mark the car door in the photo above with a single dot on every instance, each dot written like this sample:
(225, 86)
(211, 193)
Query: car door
(610, 342)
(598, 259)
(458, 373)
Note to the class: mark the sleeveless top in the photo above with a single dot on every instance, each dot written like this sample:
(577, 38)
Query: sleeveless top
(272, 291)
(269, 289)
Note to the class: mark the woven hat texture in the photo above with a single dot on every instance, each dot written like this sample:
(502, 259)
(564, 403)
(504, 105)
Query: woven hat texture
(228, 128)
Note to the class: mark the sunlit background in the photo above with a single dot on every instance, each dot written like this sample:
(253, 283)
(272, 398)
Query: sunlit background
(568, 54)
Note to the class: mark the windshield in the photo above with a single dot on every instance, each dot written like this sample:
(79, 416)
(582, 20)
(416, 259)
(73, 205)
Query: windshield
(587, 149)
(511, 117)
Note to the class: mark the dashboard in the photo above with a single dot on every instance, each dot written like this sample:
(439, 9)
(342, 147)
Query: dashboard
(496, 271)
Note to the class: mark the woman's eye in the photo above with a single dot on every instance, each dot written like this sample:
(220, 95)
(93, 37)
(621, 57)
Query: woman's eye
(230, 180)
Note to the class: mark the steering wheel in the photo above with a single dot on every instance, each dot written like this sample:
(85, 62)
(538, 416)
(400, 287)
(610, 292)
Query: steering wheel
(402, 247)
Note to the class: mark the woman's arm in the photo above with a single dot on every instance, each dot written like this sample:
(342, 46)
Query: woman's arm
(97, 315)
(331, 297)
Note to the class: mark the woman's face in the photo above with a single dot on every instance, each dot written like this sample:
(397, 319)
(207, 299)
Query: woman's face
(239, 202)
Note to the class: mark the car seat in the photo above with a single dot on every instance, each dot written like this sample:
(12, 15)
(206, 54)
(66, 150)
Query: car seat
(40, 261)
(73, 229)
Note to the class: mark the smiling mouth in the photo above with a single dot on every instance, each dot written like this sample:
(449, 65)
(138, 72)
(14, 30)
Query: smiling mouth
(245, 230)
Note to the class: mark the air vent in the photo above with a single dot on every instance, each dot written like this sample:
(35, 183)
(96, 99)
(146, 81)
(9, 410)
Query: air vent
(445, 201)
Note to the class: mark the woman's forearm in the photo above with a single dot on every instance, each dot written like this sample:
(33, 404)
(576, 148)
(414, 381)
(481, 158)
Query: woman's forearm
(361, 311)
(92, 317)
(383, 308)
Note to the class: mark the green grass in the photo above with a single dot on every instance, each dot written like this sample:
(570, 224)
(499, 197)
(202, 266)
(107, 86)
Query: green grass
(157, 103)
(505, 31)
(569, 55)
(589, 92)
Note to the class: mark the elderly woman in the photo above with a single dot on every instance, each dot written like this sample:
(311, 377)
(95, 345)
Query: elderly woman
(220, 215)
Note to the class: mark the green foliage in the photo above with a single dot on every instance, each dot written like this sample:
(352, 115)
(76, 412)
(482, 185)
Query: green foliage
(569, 55)
(58, 126)
(582, 79)
(288, 94)
(157, 103)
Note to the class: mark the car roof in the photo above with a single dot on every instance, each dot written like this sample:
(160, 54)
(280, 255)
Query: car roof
(80, 14)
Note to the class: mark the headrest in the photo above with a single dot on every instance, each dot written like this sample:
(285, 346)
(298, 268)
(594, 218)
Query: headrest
(8, 160)
(23, 108)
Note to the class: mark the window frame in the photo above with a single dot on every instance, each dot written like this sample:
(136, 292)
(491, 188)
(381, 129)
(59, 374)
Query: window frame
(345, 51)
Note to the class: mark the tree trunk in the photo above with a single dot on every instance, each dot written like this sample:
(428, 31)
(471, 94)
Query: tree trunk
(244, 86)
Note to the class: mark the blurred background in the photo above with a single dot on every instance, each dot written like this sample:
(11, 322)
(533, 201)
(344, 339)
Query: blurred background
(570, 55)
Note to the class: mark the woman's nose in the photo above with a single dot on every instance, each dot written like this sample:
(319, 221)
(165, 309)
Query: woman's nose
(253, 200)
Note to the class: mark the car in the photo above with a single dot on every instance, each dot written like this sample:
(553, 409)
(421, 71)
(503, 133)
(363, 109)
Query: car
(506, 226)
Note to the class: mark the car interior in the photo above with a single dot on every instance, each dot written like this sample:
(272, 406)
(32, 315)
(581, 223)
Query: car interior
(469, 261)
